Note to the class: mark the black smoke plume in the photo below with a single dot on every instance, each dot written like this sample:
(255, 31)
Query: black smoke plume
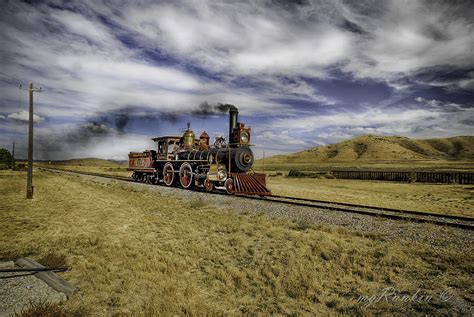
(55, 147)
(205, 110)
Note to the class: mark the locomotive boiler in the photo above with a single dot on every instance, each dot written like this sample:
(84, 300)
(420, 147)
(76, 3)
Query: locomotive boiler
(194, 162)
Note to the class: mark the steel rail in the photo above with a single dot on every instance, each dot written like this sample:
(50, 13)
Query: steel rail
(37, 269)
(411, 212)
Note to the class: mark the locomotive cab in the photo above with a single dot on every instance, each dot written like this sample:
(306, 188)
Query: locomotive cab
(167, 145)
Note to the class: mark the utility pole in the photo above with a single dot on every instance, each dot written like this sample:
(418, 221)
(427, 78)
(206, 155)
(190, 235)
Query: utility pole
(29, 181)
(13, 157)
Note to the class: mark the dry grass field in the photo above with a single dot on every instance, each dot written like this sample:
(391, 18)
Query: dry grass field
(116, 170)
(277, 165)
(439, 198)
(134, 252)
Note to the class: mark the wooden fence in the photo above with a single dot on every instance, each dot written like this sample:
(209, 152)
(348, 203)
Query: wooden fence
(408, 176)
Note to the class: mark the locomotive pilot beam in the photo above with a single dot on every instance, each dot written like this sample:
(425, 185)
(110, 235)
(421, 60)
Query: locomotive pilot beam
(189, 162)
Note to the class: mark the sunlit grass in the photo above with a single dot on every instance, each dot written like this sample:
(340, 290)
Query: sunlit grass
(439, 198)
(136, 252)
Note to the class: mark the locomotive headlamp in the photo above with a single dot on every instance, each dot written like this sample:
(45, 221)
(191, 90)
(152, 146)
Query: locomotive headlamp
(244, 137)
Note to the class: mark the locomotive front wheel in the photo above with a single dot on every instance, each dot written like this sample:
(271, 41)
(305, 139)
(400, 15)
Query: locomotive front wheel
(168, 174)
(229, 186)
(208, 185)
(186, 175)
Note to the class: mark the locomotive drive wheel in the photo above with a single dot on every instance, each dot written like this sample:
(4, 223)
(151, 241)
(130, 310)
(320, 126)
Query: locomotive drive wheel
(208, 185)
(168, 174)
(229, 186)
(186, 175)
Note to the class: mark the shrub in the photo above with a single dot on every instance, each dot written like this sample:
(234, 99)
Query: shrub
(21, 167)
(197, 203)
(53, 260)
(412, 177)
(46, 309)
(329, 175)
(5, 158)
(303, 223)
(295, 173)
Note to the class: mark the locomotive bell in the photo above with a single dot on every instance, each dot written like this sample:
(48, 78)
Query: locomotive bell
(188, 138)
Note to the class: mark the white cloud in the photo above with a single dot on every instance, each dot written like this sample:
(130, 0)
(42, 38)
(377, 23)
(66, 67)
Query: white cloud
(240, 38)
(395, 37)
(364, 118)
(24, 116)
(404, 37)
(435, 119)
(172, 56)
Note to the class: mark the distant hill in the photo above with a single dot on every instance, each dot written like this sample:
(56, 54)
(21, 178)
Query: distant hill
(89, 162)
(369, 148)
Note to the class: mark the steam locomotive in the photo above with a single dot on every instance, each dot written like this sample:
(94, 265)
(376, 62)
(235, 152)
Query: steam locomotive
(190, 162)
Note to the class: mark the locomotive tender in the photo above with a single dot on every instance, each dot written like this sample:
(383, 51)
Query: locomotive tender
(192, 162)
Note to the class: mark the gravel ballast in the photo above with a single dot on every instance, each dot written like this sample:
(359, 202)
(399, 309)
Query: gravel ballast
(17, 292)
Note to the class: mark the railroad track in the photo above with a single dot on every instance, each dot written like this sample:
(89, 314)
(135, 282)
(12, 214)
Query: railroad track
(462, 222)
(389, 213)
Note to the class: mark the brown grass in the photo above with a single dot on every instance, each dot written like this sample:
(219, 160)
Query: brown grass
(283, 166)
(445, 199)
(111, 169)
(134, 252)
(53, 260)
(39, 309)
(439, 198)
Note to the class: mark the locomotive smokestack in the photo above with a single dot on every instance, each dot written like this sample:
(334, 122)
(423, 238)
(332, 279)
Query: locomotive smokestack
(233, 117)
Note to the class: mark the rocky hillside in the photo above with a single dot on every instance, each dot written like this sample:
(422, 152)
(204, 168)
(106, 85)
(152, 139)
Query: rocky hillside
(385, 148)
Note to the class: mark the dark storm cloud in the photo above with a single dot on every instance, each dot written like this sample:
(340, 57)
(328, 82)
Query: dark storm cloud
(123, 119)
(48, 146)
(118, 119)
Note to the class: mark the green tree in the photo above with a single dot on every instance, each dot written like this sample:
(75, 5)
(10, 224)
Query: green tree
(5, 157)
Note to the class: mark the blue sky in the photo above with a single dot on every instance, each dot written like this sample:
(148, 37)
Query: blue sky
(304, 73)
